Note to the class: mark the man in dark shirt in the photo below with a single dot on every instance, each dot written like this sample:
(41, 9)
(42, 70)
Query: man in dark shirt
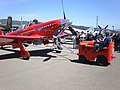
(89, 36)
(103, 43)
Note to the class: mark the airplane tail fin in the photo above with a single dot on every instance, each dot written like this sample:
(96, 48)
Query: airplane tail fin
(1, 32)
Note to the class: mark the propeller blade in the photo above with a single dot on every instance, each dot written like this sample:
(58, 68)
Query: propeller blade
(99, 27)
(70, 28)
(63, 9)
(106, 26)
(64, 15)
(72, 31)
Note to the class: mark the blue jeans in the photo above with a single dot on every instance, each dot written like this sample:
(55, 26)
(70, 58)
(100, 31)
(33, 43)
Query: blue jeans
(100, 46)
(96, 46)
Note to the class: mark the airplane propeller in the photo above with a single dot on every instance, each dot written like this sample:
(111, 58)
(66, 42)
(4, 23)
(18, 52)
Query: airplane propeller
(65, 21)
(70, 27)
(106, 27)
(99, 27)
(72, 30)
(102, 29)
(63, 9)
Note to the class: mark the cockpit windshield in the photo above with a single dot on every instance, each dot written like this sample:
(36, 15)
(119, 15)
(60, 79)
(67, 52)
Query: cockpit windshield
(24, 26)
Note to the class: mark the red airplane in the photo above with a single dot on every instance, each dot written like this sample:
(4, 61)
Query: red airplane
(42, 32)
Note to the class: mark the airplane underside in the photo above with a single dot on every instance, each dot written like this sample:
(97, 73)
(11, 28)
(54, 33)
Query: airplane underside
(23, 52)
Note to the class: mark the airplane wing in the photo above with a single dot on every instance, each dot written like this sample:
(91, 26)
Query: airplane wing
(10, 38)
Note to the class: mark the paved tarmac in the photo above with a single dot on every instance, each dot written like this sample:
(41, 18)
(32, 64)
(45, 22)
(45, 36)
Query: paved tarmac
(47, 70)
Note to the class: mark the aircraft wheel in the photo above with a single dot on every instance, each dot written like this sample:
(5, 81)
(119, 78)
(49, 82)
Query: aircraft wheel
(102, 61)
(82, 59)
(2, 47)
(26, 58)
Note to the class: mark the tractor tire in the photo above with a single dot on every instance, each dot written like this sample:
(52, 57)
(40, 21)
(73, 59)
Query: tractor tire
(82, 59)
(102, 60)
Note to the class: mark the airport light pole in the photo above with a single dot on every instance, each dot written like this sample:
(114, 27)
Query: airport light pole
(97, 22)
(21, 21)
(113, 28)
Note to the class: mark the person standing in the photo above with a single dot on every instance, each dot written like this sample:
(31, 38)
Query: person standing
(74, 41)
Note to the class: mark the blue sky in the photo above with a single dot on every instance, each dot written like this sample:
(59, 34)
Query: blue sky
(81, 12)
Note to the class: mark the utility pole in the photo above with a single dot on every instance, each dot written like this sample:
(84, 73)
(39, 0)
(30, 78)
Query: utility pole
(113, 28)
(21, 21)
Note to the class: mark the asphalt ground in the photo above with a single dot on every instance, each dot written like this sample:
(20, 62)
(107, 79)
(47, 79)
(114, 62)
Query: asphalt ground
(48, 70)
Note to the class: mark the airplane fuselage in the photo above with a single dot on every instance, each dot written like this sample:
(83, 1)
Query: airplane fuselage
(44, 29)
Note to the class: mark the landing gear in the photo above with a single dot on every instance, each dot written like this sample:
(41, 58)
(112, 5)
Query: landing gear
(1, 47)
(26, 58)
(25, 54)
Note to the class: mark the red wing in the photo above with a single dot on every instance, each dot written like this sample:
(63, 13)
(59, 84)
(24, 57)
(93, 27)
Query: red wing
(10, 38)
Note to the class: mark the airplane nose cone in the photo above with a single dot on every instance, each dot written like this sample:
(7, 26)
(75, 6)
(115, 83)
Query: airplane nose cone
(66, 21)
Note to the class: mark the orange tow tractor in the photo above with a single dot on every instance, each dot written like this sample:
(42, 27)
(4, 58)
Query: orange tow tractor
(103, 57)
